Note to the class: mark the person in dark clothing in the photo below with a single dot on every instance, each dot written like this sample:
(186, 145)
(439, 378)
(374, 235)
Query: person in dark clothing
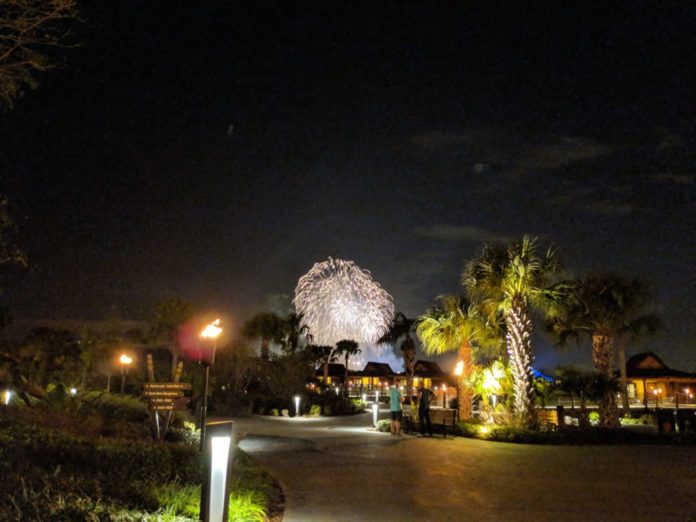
(424, 398)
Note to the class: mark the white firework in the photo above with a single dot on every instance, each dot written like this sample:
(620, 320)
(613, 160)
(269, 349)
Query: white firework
(338, 300)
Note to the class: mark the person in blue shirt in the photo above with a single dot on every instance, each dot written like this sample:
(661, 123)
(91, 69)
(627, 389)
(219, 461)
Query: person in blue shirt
(395, 408)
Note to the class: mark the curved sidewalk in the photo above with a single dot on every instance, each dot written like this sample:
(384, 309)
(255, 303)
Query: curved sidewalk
(335, 469)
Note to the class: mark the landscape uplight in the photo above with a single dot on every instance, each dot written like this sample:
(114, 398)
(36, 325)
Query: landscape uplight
(215, 490)
(8, 396)
(459, 368)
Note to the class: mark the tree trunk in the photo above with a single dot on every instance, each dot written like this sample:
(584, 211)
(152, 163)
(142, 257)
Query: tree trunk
(624, 377)
(465, 395)
(603, 358)
(345, 380)
(326, 372)
(265, 349)
(519, 345)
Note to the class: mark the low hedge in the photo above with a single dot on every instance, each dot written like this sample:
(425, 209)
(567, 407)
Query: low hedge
(569, 435)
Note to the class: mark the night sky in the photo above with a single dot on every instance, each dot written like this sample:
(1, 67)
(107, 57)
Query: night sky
(216, 150)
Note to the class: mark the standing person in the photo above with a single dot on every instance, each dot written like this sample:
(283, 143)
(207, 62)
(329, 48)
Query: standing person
(395, 408)
(424, 397)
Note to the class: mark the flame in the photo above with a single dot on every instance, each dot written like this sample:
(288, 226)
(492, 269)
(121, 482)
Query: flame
(212, 330)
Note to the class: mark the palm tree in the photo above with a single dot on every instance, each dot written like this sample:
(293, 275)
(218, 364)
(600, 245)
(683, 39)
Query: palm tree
(401, 327)
(323, 355)
(170, 315)
(294, 332)
(509, 282)
(579, 384)
(269, 327)
(456, 325)
(347, 348)
(605, 310)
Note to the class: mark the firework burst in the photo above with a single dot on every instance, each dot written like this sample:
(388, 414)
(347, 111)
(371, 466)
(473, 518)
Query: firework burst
(339, 300)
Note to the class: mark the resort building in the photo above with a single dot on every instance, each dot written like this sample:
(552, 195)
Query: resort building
(651, 381)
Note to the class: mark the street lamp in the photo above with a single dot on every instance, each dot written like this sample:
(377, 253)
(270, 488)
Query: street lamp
(125, 362)
(210, 333)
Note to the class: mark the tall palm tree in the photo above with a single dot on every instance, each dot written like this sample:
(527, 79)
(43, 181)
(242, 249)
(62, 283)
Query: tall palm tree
(347, 348)
(605, 310)
(170, 315)
(509, 282)
(456, 325)
(269, 327)
(401, 327)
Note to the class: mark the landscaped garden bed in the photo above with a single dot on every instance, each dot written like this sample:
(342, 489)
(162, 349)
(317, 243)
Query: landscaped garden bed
(87, 463)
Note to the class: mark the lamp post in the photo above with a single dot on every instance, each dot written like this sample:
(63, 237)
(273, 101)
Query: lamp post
(125, 362)
(210, 333)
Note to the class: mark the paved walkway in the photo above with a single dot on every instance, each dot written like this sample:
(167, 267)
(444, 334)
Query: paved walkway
(336, 470)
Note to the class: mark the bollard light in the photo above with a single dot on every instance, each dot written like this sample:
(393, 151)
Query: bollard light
(215, 491)
(336, 389)
(377, 396)
(297, 405)
(375, 414)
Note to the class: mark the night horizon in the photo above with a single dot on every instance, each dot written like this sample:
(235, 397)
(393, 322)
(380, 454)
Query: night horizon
(217, 154)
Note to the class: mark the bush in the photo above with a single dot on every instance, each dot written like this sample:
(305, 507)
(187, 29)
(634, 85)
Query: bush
(333, 404)
(112, 407)
(383, 425)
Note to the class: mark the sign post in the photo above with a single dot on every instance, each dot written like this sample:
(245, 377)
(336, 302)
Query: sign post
(162, 396)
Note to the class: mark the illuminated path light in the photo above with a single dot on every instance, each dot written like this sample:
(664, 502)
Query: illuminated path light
(215, 491)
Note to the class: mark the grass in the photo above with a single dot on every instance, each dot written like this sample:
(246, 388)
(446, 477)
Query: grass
(64, 465)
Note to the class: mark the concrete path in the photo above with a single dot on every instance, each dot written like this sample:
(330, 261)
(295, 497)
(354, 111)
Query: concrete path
(336, 470)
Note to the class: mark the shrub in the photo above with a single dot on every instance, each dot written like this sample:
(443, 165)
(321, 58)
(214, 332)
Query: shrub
(383, 425)
(112, 407)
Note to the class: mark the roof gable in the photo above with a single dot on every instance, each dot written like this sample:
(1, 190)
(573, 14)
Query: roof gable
(645, 361)
(377, 368)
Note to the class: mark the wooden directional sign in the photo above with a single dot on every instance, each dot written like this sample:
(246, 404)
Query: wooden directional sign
(163, 394)
(167, 386)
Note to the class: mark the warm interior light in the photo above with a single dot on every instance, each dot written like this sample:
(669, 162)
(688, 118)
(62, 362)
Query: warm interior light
(212, 330)
(220, 452)
(125, 359)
